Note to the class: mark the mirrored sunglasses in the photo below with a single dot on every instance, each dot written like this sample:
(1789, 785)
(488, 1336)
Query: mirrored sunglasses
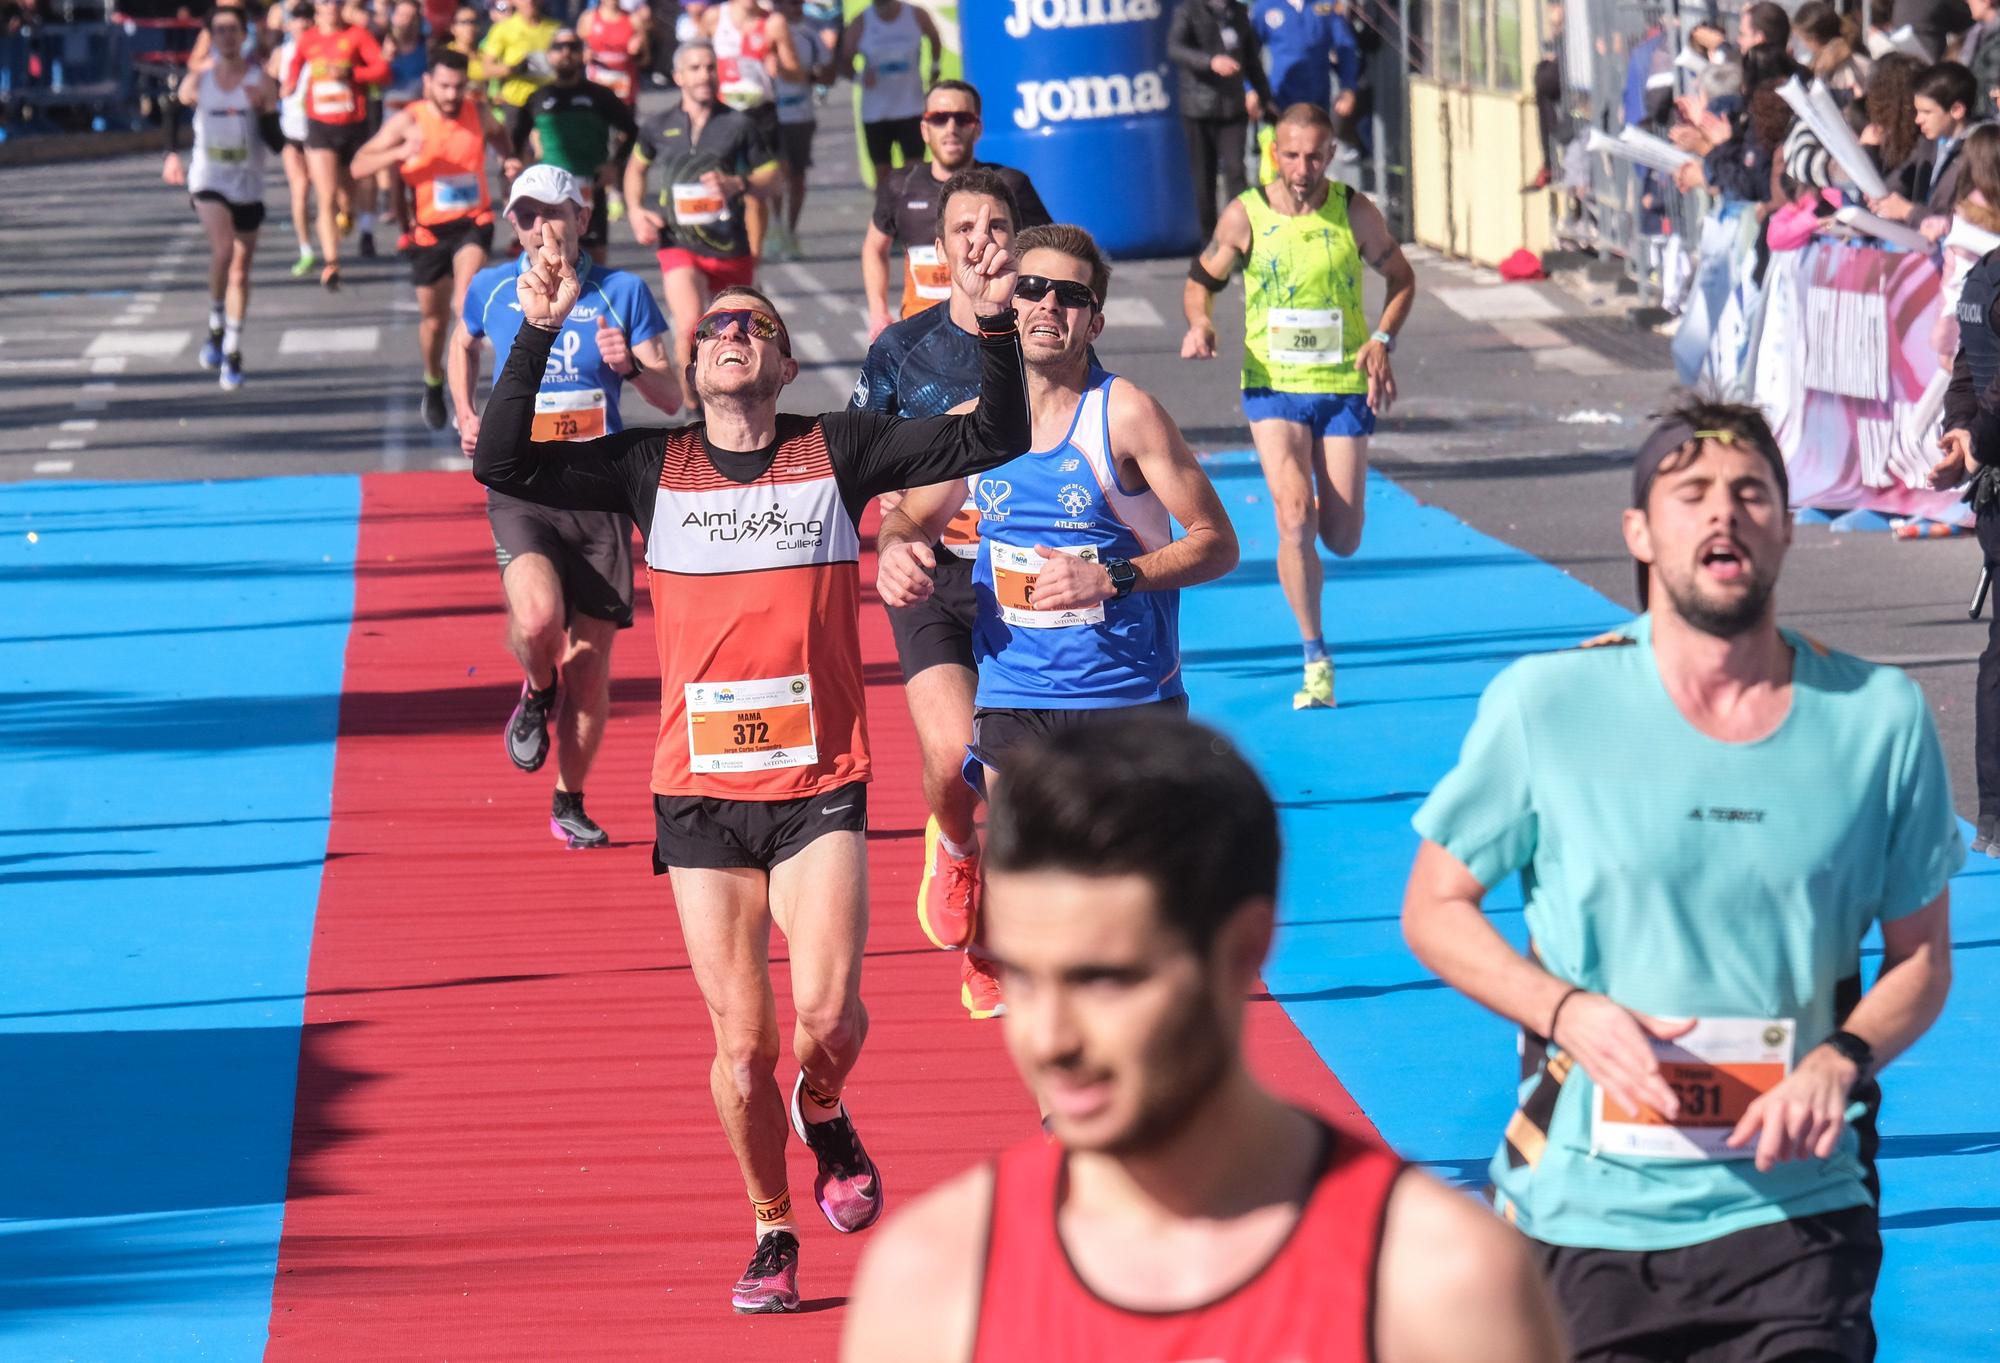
(761, 326)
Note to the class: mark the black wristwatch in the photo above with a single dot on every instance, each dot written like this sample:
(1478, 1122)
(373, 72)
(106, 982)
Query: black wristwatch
(1855, 1049)
(637, 368)
(1124, 577)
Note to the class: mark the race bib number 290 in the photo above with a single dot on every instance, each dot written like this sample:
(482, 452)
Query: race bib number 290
(1305, 335)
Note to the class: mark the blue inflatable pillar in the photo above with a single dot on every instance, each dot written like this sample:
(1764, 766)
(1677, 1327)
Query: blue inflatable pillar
(1080, 95)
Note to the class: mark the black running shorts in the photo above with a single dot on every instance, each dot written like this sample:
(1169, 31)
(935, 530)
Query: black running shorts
(938, 629)
(699, 832)
(795, 145)
(1794, 1292)
(430, 264)
(342, 139)
(592, 552)
(907, 133)
(995, 733)
(246, 218)
(599, 231)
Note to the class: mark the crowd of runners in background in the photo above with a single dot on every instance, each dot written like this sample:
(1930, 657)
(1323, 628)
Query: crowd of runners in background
(1690, 1173)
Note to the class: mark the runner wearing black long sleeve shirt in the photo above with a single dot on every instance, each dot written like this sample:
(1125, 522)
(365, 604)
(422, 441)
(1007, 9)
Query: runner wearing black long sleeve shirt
(751, 522)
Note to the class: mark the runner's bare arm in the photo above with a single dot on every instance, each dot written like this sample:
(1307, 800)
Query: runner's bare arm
(784, 52)
(764, 180)
(916, 1295)
(461, 371)
(370, 66)
(646, 224)
(927, 26)
(875, 278)
(659, 385)
(1145, 436)
(1379, 248)
(850, 48)
(1802, 1117)
(1218, 260)
(1455, 1284)
(904, 558)
(1444, 926)
(396, 142)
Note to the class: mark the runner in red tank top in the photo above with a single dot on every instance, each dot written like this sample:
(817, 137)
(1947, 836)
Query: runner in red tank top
(1178, 1212)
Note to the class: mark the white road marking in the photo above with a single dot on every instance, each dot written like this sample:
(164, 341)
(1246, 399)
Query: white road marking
(83, 424)
(451, 463)
(151, 345)
(799, 277)
(108, 364)
(1498, 303)
(330, 341)
(1132, 312)
(23, 366)
(148, 298)
(1577, 360)
(48, 466)
(67, 444)
(811, 348)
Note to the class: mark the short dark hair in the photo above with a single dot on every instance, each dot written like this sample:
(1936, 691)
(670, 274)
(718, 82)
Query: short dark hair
(962, 87)
(1304, 115)
(1683, 427)
(451, 59)
(237, 11)
(1149, 795)
(1072, 241)
(982, 180)
(762, 300)
(1948, 83)
(1769, 21)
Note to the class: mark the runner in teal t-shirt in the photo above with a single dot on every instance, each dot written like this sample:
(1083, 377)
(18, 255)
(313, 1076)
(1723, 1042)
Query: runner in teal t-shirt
(1708, 814)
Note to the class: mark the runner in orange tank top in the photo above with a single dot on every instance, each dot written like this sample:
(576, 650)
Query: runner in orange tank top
(1177, 1210)
(440, 145)
(752, 528)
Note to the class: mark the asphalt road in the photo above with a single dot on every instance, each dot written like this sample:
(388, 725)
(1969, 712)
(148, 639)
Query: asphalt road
(1520, 405)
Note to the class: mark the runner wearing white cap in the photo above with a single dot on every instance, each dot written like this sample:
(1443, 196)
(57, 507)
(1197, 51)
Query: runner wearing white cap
(567, 574)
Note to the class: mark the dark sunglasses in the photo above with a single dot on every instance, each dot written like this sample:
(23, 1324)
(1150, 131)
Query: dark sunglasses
(1034, 288)
(565, 47)
(760, 326)
(952, 117)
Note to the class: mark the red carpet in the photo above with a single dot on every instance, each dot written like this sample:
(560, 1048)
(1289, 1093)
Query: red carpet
(511, 1152)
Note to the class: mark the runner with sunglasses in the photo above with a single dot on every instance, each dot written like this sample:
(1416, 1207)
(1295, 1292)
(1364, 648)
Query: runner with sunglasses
(710, 158)
(1313, 378)
(925, 365)
(566, 575)
(906, 207)
(439, 144)
(569, 123)
(759, 780)
(1077, 578)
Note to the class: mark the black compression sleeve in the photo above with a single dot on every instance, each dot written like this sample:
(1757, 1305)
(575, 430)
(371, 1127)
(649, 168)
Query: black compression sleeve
(1202, 277)
(875, 453)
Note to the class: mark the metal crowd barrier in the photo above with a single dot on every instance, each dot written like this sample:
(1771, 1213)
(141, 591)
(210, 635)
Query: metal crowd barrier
(1600, 38)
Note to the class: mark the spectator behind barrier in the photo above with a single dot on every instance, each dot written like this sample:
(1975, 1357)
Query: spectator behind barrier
(1891, 135)
(1825, 45)
(1764, 33)
(1925, 187)
(1980, 53)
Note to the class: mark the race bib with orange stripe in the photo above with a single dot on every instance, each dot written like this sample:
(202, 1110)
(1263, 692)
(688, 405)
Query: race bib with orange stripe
(1716, 1072)
(751, 725)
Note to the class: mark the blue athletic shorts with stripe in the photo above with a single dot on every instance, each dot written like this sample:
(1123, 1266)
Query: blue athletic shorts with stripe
(1327, 413)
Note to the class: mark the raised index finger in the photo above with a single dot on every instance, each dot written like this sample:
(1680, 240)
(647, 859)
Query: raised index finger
(982, 230)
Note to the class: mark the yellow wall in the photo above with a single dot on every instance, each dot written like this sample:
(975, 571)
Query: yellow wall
(1470, 153)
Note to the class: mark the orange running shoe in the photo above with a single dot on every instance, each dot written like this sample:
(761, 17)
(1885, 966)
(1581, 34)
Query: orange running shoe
(948, 898)
(979, 990)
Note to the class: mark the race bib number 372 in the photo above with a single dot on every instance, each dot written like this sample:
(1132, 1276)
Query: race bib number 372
(750, 725)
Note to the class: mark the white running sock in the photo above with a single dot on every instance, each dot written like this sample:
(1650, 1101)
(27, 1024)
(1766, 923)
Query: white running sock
(232, 336)
(953, 850)
(215, 314)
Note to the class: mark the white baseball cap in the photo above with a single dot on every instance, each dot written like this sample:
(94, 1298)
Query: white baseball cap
(547, 184)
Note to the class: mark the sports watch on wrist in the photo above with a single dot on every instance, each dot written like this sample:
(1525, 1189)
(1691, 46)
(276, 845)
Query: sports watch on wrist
(1124, 577)
(1387, 339)
(637, 368)
(1855, 1049)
